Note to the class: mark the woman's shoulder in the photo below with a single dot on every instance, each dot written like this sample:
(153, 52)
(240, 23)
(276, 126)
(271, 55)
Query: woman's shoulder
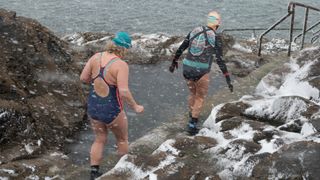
(120, 64)
(95, 56)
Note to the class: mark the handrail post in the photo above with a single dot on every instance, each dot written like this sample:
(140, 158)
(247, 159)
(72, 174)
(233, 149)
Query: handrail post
(304, 27)
(291, 28)
(269, 29)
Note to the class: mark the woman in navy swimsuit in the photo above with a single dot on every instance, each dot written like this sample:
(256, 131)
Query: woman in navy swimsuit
(108, 76)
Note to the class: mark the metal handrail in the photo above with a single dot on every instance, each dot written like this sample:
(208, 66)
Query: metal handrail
(291, 12)
(316, 36)
(255, 29)
(292, 4)
(309, 29)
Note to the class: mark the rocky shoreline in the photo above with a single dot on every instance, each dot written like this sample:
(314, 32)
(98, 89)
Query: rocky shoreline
(259, 136)
(42, 105)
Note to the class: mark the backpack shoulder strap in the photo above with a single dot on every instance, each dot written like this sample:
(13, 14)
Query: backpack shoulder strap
(204, 30)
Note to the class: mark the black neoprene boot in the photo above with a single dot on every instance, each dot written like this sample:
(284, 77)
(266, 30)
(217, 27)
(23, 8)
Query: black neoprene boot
(95, 172)
(192, 126)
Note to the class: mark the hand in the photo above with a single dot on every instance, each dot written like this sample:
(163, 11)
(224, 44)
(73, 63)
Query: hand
(173, 66)
(138, 109)
(230, 86)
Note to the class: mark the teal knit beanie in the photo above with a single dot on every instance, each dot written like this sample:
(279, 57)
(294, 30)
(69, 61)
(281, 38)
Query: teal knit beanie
(122, 39)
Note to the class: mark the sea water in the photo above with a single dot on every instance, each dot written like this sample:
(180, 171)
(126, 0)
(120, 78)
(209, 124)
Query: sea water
(151, 16)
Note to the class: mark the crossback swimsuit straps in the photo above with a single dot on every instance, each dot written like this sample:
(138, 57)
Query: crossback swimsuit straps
(104, 109)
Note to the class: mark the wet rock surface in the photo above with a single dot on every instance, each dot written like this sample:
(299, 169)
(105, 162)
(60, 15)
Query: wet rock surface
(294, 161)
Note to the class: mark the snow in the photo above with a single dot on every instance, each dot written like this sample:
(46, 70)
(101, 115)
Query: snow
(32, 177)
(241, 48)
(153, 177)
(123, 165)
(217, 135)
(153, 38)
(32, 167)
(28, 148)
(245, 132)
(75, 38)
(265, 89)
(277, 44)
(269, 147)
(55, 154)
(289, 108)
(53, 178)
(14, 41)
(95, 41)
(210, 122)
(294, 83)
(138, 173)
(4, 114)
(307, 129)
(167, 147)
(39, 142)
(8, 171)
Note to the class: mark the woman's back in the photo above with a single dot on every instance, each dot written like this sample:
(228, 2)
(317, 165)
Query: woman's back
(107, 66)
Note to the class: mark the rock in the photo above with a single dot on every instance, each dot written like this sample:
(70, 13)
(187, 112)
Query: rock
(294, 126)
(315, 82)
(228, 42)
(231, 123)
(294, 161)
(189, 145)
(273, 80)
(237, 149)
(230, 110)
(205, 142)
(265, 134)
(249, 147)
(310, 54)
(40, 93)
(147, 49)
(280, 111)
(316, 124)
(42, 166)
(241, 64)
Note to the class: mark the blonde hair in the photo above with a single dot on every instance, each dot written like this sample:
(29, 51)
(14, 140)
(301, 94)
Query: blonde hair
(117, 50)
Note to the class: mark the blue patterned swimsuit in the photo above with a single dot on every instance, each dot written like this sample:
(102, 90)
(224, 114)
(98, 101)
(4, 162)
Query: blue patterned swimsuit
(104, 109)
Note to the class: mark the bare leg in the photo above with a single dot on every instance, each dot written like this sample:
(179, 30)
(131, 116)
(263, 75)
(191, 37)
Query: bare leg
(101, 132)
(202, 86)
(192, 89)
(120, 131)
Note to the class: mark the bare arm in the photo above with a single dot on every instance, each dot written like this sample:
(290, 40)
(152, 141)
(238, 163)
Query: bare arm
(122, 83)
(87, 70)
